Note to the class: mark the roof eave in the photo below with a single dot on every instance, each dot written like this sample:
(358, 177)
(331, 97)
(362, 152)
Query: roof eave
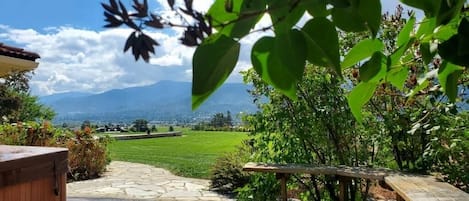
(12, 64)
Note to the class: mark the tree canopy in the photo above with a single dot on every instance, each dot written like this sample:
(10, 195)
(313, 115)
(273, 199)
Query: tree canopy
(17, 104)
(280, 59)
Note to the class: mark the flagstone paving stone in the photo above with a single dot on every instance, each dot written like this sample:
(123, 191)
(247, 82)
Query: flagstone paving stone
(124, 181)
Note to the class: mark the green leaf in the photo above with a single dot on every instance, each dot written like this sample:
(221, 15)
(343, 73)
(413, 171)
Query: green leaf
(359, 96)
(456, 49)
(260, 53)
(370, 12)
(339, 3)
(396, 56)
(422, 83)
(426, 27)
(404, 36)
(448, 10)
(361, 51)
(445, 32)
(284, 14)
(280, 61)
(226, 22)
(316, 8)
(448, 75)
(323, 43)
(374, 69)
(397, 77)
(430, 7)
(219, 14)
(348, 19)
(212, 62)
(428, 51)
(291, 50)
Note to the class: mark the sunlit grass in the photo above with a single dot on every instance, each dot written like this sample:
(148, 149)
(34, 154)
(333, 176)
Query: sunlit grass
(191, 155)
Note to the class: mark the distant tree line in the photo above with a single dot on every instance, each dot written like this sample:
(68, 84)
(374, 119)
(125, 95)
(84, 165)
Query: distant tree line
(218, 122)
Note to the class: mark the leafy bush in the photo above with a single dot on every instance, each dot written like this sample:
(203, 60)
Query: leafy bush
(29, 134)
(448, 150)
(88, 156)
(228, 174)
(318, 129)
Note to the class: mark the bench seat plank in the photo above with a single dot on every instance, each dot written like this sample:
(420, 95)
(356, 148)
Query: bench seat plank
(355, 172)
(424, 188)
(408, 187)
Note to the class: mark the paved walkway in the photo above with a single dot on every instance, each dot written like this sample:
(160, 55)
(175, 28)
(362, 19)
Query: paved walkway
(134, 182)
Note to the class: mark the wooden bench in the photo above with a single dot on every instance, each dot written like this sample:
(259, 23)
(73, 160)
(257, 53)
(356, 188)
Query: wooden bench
(408, 187)
(420, 188)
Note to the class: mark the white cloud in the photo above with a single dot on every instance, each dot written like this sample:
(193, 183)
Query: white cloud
(166, 60)
(85, 60)
(75, 59)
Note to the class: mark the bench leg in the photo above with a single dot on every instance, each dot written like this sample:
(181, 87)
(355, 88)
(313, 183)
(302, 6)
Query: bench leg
(343, 191)
(283, 185)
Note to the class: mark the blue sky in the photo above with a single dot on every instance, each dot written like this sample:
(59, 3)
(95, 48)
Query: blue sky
(77, 54)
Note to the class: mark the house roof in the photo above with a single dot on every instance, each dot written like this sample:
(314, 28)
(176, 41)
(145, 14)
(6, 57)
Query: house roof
(13, 59)
(17, 53)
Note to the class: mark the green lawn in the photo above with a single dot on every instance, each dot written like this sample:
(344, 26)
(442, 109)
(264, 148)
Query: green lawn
(191, 155)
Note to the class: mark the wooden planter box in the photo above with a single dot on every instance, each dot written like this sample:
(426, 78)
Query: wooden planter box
(33, 173)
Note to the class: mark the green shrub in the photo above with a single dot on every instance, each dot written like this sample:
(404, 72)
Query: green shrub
(448, 150)
(29, 134)
(227, 173)
(88, 156)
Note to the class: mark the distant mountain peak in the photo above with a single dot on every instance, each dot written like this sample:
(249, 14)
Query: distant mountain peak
(163, 100)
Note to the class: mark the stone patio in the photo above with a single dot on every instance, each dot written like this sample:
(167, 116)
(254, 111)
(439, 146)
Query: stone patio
(126, 181)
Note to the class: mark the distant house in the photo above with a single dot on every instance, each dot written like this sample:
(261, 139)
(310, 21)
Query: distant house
(13, 59)
(111, 128)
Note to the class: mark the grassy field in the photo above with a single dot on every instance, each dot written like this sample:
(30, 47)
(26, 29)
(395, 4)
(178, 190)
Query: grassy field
(191, 155)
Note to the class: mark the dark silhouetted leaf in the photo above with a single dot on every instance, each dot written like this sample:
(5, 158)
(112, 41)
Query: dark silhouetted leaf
(142, 8)
(125, 14)
(155, 23)
(171, 4)
(110, 9)
(149, 43)
(130, 41)
(113, 3)
(112, 21)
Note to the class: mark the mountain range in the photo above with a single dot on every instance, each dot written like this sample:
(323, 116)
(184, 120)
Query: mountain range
(163, 101)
